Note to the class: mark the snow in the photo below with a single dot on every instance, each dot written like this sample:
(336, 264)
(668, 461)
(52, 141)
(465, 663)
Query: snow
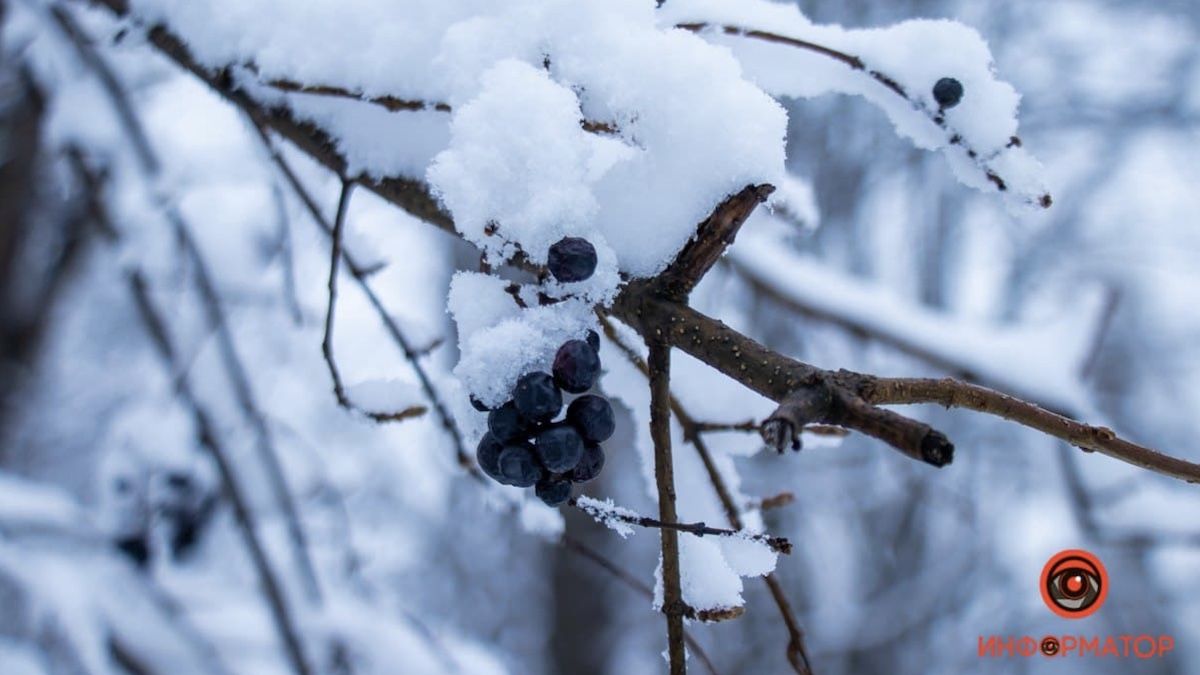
(1014, 358)
(385, 395)
(608, 514)
(25, 503)
(913, 54)
(494, 358)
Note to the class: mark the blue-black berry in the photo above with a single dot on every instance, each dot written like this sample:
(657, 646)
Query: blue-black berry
(593, 339)
(559, 448)
(506, 423)
(518, 466)
(488, 456)
(536, 397)
(947, 92)
(576, 366)
(589, 465)
(553, 492)
(479, 405)
(592, 417)
(572, 259)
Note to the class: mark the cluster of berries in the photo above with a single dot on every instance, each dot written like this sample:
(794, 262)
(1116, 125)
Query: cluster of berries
(525, 446)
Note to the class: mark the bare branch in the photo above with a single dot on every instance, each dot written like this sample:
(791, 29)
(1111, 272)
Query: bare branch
(588, 553)
(659, 364)
(209, 440)
(713, 236)
(797, 652)
(203, 279)
(390, 103)
(339, 389)
(954, 394)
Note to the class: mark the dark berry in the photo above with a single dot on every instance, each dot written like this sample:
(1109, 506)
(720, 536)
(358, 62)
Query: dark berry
(589, 465)
(506, 423)
(536, 397)
(488, 456)
(518, 466)
(478, 405)
(593, 339)
(136, 548)
(559, 448)
(592, 417)
(572, 259)
(576, 366)
(947, 92)
(553, 492)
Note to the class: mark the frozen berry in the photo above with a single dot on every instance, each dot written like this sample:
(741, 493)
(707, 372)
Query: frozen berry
(536, 397)
(506, 423)
(478, 405)
(593, 339)
(576, 366)
(947, 92)
(518, 466)
(559, 448)
(589, 465)
(488, 456)
(592, 417)
(572, 259)
(553, 492)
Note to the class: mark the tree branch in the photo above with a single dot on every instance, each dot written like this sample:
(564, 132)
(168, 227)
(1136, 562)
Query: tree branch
(604, 515)
(954, 394)
(151, 166)
(715, 234)
(588, 553)
(856, 63)
(797, 652)
(272, 589)
(339, 389)
(659, 364)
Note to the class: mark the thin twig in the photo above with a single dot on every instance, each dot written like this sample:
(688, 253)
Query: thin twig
(797, 652)
(272, 589)
(335, 258)
(287, 256)
(151, 167)
(361, 276)
(855, 63)
(396, 104)
(574, 545)
(954, 394)
(749, 426)
(597, 511)
(659, 364)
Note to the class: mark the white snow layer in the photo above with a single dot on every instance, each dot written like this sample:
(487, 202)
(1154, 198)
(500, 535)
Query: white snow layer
(593, 118)
(896, 69)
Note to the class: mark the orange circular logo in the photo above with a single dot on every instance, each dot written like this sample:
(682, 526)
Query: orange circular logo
(1074, 584)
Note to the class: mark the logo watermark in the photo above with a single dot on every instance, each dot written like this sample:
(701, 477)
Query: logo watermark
(1074, 585)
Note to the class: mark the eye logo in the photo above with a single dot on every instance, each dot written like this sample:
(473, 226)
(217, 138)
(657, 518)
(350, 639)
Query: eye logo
(1074, 584)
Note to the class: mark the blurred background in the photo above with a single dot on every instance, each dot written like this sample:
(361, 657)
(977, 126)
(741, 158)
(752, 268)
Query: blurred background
(123, 549)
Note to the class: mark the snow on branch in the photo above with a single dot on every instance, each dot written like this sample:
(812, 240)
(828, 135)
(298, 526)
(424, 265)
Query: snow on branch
(622, 521)
(895, 68)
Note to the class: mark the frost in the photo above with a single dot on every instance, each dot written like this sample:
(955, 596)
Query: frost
(608, 514)
(385, 396)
